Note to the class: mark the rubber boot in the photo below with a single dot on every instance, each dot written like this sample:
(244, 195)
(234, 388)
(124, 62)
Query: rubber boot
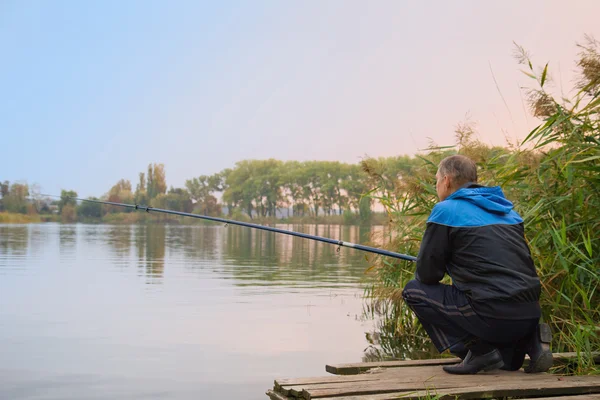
(473, 364)
(538, 350)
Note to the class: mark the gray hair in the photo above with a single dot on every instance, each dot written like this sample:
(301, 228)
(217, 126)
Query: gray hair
(460, 168)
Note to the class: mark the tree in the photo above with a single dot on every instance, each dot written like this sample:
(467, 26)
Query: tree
(200, 190)
(312, 187)
(156, 183)
(37, 204)
(294, 181)
(175, 200)
(220, 180)
(149, 182)
(15, 200)
(67, 197)
(141, 195)
(67, 205)
(4, 190)
(89, 209)
(68, 213)
(119, 193)
(121, 188)
(354, 185)
(332, 174)
(267, 180)
(141, 186)
(241, 190)
(179, 200)
(160, 179)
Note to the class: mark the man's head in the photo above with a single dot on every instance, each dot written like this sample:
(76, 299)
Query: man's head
(453, 172)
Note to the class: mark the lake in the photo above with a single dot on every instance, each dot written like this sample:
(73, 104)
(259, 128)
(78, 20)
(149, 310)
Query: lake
(174, 312)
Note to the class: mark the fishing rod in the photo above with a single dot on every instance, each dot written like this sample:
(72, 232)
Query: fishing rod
(338, 243)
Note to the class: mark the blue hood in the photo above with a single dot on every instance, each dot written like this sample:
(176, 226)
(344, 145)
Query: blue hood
(490, 199)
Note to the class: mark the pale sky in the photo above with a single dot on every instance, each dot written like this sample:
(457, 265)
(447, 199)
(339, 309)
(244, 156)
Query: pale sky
(94, 91)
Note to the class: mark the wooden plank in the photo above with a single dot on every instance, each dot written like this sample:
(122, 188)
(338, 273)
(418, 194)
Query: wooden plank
(576, 397)
(275, 396)
(554, 388)
(371, 376)
(381, 382)
(399, 382)
(446, 381)
(413, 376)
(409, 379)
(288, 389)
(476, 392)
(356, 368)
(408, 395)
(289, 386)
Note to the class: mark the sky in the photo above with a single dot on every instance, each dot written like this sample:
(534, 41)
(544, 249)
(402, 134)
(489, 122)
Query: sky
(91, 92)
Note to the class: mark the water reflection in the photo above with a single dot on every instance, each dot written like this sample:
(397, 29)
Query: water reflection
(275, 259)
(118, 237)
(67, 241)
(197, 242)
(40, 236)
(249, 257)
(150, 246)
(14, 240)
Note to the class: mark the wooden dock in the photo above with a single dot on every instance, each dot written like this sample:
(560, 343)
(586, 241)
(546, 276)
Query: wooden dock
(425, 379)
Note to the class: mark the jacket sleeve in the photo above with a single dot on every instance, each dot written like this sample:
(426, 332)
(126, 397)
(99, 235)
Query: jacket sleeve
(433, 254)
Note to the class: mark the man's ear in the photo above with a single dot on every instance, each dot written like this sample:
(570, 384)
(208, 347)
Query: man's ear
(447, 181)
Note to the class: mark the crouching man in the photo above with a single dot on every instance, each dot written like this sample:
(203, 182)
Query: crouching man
(489, 315)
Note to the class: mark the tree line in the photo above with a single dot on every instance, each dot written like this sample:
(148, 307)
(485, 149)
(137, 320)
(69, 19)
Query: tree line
(251, 189)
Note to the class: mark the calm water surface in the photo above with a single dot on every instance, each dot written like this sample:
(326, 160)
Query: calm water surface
(173, 312)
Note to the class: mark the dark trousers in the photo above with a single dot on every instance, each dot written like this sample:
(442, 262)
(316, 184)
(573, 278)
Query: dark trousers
(446, 314)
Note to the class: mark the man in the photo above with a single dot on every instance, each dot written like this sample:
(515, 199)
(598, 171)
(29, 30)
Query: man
(489, 315)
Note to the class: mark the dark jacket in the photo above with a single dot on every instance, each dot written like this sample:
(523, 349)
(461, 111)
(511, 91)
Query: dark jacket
(478, 239)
